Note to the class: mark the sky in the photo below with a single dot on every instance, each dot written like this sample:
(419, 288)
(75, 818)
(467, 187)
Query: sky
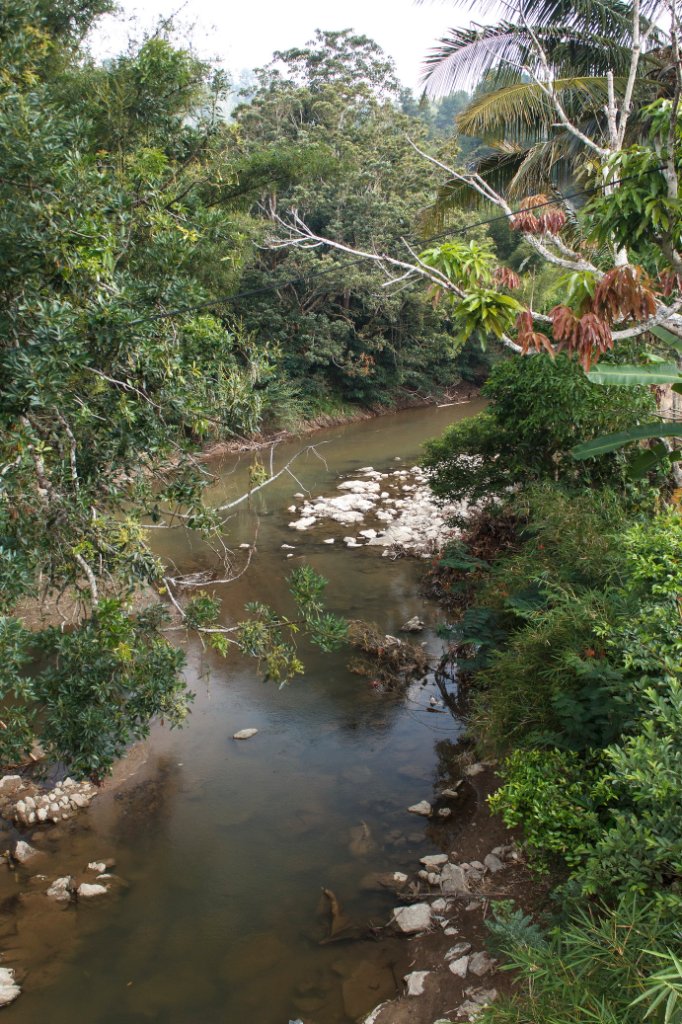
(244, 34)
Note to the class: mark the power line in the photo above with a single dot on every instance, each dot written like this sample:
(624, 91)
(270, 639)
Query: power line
(315, 275)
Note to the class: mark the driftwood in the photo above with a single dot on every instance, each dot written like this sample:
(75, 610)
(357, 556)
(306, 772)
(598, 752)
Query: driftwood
(339, 922)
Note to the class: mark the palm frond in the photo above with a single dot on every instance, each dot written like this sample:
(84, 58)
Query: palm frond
(522, 111)
(586, 37)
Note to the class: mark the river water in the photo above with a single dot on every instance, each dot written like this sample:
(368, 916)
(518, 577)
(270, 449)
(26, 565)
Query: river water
(225, 846)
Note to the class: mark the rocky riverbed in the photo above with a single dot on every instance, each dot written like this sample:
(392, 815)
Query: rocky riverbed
(393, 510)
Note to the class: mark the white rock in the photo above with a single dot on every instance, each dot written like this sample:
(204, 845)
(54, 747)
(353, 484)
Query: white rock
(413, 919)
(23, 852)
(288, 547)
(61, 888)
(369, 534)
(423, 808)
(374, 1015)
(86, 890)
(291, 508)
(474, 769)
(480, 964)
(493, 863)
(329, 540)
(79, 800)
(98, 866)
(303, 524)
(299, 495)
(451, 931)
(415, 982)
(434, 860)
(453, 879)
(399, 877)
(245, 547)
(433, 878)
(9, 990)
(244, 734)
(459, 967)
(440, 906)
(458, 950)
(444, 812)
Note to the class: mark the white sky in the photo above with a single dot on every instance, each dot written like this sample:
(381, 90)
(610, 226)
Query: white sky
(244, 35)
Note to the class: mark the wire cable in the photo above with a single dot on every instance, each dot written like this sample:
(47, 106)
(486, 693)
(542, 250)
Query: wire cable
(316, 275)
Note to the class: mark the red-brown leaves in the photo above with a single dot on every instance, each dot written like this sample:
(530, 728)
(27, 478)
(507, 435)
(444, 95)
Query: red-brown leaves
(538, 217)
(506, 278)
(624, 293)
(528, 338)
(587, 337)
(670, 282)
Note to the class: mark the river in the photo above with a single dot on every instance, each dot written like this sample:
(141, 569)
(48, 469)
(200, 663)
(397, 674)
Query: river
(225, 846)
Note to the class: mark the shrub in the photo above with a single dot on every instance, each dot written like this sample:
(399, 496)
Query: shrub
(539, 409)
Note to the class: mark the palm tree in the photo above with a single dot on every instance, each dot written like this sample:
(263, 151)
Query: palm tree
(547, 57)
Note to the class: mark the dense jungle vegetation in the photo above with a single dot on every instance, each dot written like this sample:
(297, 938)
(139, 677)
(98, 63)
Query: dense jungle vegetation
(144, 317)
(564, 590)
(173, 275)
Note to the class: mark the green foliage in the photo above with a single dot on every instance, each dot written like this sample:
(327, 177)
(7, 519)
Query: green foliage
(538, 409)
(484, 312)
(269, 636)
(551, 793)
(603, 965)
(343, 333)
(125, 199)
(92, 691)
(640, 213)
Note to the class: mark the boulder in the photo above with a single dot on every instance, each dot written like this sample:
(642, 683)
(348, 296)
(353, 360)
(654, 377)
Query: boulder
(493, 863)
(244, 734)
(460, 966)
(453, 879)
(23, 852)
(415, 982)
(480, 964)
(413, 625)
(423, 808)
(9, 990)
(434, 860)
(413, 919)
(61, 888)
(86, 890)
(98, 866)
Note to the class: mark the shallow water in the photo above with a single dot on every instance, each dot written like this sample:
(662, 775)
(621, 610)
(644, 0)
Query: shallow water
(225, 846)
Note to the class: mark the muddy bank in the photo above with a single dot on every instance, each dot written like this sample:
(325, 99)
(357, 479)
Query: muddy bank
(457, 394)
(446, 970)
